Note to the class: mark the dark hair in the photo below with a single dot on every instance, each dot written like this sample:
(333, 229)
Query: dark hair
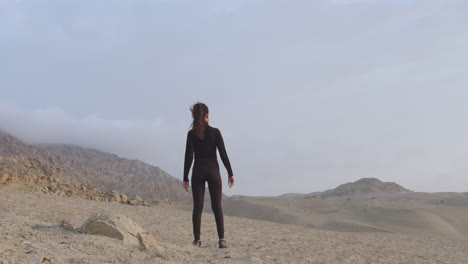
(199, 110)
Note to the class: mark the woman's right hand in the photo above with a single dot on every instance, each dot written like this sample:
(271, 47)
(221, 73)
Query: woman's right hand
(231, 181)
(186, 185)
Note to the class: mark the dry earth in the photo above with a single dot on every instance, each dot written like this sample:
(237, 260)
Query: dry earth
(30, 232)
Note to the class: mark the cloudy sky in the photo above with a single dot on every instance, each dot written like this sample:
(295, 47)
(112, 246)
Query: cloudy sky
(307, 94)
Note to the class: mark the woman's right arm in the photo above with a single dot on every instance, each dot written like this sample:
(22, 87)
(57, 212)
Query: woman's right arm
(188, 156)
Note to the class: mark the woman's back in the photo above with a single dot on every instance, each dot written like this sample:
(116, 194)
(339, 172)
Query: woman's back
(205, 148)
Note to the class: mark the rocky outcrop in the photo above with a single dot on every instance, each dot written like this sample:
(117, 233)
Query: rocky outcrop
(120, 227)
(33, 174)
(113, 196)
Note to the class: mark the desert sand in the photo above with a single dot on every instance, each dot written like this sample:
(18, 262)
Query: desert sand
(415, 213)
(30, 232)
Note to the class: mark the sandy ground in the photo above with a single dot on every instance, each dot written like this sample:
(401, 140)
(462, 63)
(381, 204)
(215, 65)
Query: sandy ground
(30, 231)
(415, 214)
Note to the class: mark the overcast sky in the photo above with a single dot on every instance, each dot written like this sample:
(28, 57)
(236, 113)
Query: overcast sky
(307, 94)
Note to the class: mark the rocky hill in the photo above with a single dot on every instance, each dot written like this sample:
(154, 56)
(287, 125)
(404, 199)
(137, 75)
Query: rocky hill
(103, 170)
(362, 188)
(34, 175)
(11, 146)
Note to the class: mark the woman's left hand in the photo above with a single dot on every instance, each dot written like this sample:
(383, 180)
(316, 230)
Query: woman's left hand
(231, 181)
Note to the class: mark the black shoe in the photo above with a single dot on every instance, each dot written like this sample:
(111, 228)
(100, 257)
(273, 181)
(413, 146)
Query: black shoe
(196, 243)
(222, 243)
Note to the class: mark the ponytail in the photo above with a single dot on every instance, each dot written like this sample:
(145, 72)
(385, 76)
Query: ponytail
(199, 110)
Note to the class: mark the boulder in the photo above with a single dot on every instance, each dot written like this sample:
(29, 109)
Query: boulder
(119, 227)
(113, 196)
(137, 198)
(123, 198)
(132, 202)
(4, 178)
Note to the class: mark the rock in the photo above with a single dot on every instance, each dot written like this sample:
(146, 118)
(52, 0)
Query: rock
(46, 260)
(145, 203)
(147, 241)
(137, 198)
(32, 256)
(123, 198)
(72, 192)
(119, 227)
(52, 186)
(113, 196)
(4, 178)
(34, 178)
(132, 202)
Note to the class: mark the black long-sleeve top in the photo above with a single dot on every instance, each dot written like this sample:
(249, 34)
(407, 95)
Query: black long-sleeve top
(205, 149)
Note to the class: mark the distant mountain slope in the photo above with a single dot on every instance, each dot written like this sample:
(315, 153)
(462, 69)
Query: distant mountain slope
(103, 170)
(293, 195)
(363, 187)
(11, 146)
(108, 171)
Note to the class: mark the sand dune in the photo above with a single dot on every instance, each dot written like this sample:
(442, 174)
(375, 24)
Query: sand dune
(366, 205)
(413, 214)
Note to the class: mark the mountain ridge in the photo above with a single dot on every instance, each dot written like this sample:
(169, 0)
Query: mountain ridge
(364, 187)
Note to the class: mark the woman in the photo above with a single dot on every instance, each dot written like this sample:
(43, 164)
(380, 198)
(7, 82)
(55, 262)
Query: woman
(203, 140)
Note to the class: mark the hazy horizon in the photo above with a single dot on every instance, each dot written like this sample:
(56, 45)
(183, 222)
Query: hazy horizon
(308, 95)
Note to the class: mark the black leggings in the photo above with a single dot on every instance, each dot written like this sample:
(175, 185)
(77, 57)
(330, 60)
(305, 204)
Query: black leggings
(207, 170)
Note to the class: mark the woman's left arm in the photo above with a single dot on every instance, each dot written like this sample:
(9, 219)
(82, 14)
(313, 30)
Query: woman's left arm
(222, 153)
